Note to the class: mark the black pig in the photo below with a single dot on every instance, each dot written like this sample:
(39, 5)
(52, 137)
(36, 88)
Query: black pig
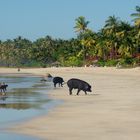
(78, 84)
(3, 88)
(58, 80)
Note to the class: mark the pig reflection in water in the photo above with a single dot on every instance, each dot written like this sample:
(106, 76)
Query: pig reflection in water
(78, 84)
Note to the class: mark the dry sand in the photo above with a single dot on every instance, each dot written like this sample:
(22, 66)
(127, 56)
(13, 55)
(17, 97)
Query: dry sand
(110, 112)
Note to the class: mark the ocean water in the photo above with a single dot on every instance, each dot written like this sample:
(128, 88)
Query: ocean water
(26, 97)
(7, 136)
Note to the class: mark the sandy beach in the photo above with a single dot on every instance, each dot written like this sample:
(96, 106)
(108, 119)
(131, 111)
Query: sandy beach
(110, 112)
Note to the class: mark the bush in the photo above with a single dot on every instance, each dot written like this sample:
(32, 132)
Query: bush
(100, 63)
(129, 62)
(124, 62)
(111, 62)
(32, 64)
(73, 61)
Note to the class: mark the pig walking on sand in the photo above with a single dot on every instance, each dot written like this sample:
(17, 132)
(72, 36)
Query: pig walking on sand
(78, 84)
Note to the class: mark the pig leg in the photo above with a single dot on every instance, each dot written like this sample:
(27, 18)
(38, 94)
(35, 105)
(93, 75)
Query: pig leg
(61, 85)
(54, 84)
(85, 93)
(78, 91)
(70, 91)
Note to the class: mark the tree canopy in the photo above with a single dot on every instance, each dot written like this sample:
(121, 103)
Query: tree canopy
(117, 42)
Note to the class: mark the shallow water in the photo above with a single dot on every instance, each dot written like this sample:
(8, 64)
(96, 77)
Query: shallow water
(26, 97)
(7, 136)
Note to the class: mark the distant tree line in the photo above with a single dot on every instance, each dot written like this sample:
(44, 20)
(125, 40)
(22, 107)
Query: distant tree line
(118, 42)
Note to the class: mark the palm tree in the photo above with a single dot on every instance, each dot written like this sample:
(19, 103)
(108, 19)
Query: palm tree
(22, 47)
(102, 46)
(110, 29)
(8, 53)
(43, 50)
(81, 24)
(84, 35)
(124, 36)
(137, 28)
(137, 16)
(88, 42)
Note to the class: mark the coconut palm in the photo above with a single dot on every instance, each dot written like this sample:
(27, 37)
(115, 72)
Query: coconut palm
(22, 47)
(8, 53)
(81, 24)
(85, 35)
(126, 47)
(88, 42)
(112, 22)
(136, 29)
(110, 29)
(137, 16)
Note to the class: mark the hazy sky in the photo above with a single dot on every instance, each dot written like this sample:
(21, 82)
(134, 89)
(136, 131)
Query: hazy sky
(33, 19)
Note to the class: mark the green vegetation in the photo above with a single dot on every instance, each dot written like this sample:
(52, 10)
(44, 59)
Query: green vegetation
(117, 43)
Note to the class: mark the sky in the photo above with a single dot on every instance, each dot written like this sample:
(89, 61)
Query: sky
(33, 19)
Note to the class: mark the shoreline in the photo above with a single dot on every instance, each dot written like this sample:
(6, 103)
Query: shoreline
(111, 111)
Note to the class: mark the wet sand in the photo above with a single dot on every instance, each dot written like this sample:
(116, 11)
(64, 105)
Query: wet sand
(110, 112)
